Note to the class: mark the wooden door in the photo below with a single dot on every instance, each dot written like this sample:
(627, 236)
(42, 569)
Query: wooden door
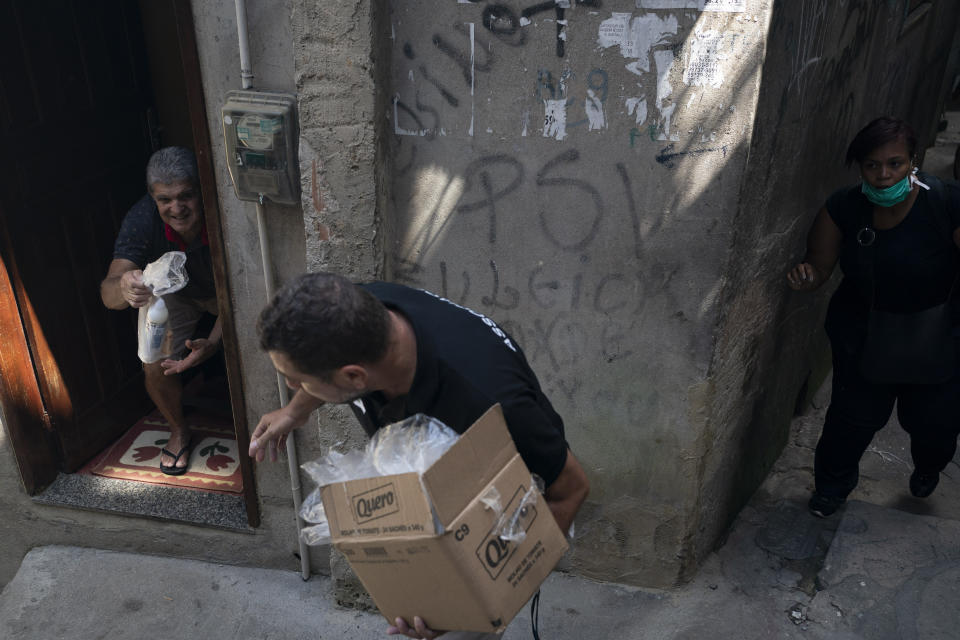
(74, 100)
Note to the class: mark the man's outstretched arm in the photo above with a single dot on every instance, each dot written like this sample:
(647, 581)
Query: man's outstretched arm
(123, 286)
(271, 432)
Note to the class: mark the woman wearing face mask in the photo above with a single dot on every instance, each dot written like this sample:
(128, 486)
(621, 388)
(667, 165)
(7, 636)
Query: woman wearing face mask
(894, 321)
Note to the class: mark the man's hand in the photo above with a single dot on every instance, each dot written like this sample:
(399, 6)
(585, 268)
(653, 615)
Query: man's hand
(123, 286)
(201, 350)
(271, 432)
(133, 290)
(418, 630)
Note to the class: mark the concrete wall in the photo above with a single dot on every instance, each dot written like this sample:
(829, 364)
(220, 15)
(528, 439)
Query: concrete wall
(585, 199)
(322, 53)
(829, 69)
(272, 47)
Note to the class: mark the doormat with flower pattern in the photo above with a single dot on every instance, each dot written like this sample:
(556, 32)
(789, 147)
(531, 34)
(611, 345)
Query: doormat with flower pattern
(214, 463)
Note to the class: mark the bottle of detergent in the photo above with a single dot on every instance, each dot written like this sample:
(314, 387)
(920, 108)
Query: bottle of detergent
(153, 332)
(157, 324)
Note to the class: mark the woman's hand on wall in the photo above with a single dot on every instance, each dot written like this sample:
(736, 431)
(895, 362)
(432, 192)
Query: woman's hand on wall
(823, 251)
(803, 277)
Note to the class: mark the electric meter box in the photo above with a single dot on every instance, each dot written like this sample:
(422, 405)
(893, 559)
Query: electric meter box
(260, 134)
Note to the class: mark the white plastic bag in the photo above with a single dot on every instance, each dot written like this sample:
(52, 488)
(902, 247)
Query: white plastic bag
(165, 275)
(408, 446)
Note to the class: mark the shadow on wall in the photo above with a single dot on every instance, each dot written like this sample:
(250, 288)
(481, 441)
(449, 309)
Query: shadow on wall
(829, 69)
(574, 175)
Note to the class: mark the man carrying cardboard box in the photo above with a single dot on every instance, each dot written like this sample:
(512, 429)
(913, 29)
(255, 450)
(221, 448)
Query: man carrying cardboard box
(391, 351)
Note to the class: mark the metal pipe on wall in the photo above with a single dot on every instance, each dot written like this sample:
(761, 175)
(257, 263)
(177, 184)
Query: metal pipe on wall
(246, 80)
(246, 70)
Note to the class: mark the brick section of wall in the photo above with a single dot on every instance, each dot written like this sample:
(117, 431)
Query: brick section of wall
(332, 45)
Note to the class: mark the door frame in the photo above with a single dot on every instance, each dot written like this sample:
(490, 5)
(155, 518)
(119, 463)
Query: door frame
(190, 57)
(34, 445)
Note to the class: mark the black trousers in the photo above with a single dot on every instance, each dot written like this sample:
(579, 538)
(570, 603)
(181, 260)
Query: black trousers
(859, 408)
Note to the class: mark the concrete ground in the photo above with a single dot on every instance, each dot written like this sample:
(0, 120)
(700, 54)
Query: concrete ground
(886, 567)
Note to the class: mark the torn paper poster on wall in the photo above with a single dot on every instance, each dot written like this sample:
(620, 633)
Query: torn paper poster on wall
(638, 106)
(669, 4)
(704, 67)
(637, 35)
(701, 5)
(737, 6)
(593, 107)
(664, 62)
(555, 119)
(641, 39)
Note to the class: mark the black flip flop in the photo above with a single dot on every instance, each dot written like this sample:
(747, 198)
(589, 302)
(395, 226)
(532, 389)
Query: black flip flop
(173, 469)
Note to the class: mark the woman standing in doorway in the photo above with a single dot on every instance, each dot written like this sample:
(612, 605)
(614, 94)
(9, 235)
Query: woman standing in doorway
(894, 321)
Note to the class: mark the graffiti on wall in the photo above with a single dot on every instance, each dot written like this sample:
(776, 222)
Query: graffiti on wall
(490, 179)
(507, 25)
(571, 306)
(546, 313)
(650, 43)
(590, 273)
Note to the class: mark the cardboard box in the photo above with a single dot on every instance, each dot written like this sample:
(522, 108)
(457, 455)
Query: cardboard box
(465, 578)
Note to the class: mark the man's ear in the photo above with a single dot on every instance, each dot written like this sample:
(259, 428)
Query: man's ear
(353, 375)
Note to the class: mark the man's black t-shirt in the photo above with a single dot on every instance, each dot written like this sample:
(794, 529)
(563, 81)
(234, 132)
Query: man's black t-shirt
(914, 264)
(465, 365)
(144, 237)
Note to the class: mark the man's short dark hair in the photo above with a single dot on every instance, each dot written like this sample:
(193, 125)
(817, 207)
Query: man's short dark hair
(170, 165)
(322, 321)
(878, 133)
